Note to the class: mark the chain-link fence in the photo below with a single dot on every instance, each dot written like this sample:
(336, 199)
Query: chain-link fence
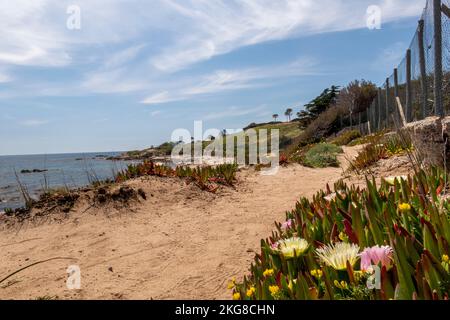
(420, 86)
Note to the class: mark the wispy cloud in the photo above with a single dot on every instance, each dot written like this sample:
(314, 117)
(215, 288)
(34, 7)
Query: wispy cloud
(230, 80)
(221, 26)
(33, 122)
(155, 113)
(167, 35)
(233, 112)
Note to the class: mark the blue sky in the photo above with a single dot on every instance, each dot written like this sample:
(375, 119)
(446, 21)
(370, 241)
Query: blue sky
(137, 70)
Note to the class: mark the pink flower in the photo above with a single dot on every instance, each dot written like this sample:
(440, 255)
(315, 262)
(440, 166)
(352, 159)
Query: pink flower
(375, 255)
(274, 245)
(287, 225)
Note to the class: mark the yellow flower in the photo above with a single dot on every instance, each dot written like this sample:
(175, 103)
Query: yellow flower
(237, 296)
(268, 273)
(251, 292)
(317, 273)
(341, 285)
(232, 284)
(274, 290)
(343, 236)
(445, 258)
(404, 207)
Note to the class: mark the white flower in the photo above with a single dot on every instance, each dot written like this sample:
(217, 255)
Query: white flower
(337, 256)
(293, 247)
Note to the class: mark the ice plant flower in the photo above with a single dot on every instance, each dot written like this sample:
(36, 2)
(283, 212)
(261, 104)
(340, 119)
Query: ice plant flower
(251, 292)
(274, 290)
(293, 247)
(375, 256)
(287, 225)
(445, 263)
(341, 285)
(337, 256)
(331, 197)
(343, 237)
(237, 296)
(404, 207)
(232, 284)
(317, 273)
(268, 273)
(391, 180)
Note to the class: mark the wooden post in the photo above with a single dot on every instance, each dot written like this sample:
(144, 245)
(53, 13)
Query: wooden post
(387, 103)
(409, 111)
(438, 72)
(395, 87)
(380, 110)
(400, 111)
(396, 82)
(446, 10)
(423, 71)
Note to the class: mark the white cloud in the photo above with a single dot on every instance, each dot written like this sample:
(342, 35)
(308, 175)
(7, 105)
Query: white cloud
(33, 122)
(233, 112)
(112, 81)
(229, 80)
(221, 26)
(122, 57)
(161, 97)
(35, 33)
(174, 33)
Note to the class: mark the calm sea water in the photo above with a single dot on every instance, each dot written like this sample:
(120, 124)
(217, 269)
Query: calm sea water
(71, 170)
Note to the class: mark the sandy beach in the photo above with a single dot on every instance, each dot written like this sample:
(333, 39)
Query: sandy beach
(180, 243)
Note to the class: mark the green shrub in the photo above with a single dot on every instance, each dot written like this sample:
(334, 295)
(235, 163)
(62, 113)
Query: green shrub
(322, 155)
(346, 137)
(405, 221)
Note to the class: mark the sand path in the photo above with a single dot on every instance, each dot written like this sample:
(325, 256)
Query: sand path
(178, 244)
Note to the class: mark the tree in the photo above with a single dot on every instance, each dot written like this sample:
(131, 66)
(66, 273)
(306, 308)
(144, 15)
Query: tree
(275, 117)
(288, 114)
(318, 105)
(356, 97)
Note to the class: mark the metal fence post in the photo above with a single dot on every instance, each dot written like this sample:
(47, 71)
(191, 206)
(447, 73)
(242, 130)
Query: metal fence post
(423, 71)
(387, 102)
(438, 103)
(409, 110)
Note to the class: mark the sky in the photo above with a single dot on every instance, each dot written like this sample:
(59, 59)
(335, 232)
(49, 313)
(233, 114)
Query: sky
(117, 75)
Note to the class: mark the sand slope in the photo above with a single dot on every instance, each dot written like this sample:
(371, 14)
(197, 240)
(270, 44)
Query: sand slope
(180, 243)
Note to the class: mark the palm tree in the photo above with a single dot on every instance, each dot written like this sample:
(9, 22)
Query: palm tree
(288, 114)
(275, 116)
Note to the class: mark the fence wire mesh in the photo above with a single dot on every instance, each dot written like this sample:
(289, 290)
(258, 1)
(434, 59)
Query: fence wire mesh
(416, 94)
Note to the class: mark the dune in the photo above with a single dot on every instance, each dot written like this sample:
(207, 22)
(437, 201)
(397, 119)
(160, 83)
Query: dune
(179, 243)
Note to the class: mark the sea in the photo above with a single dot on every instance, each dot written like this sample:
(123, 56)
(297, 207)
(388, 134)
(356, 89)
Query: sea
(52, 171)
